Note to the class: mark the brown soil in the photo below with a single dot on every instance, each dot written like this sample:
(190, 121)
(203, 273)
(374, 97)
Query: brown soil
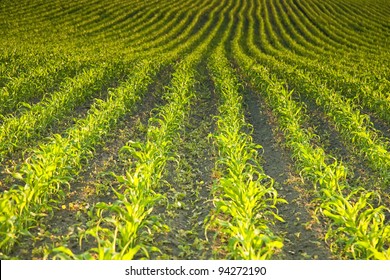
(190, 183)
(94, 184)
(303, 239)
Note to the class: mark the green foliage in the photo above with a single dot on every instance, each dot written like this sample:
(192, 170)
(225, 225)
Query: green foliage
(51, 166)
(244, 196)
(57, 59)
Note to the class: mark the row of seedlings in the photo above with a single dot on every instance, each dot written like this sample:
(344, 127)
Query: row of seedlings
(354, 126)
(121, 229)
(46, 174)
(17, 131)
(244, 196)
(357, 227)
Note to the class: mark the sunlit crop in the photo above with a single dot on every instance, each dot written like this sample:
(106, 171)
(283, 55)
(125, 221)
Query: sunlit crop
(194, 129)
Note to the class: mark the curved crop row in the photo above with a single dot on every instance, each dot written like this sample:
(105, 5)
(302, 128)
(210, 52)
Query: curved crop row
(370, 95)
(243, 195)
(119, 233)
(357, 229)
(59, 59)
(15, 132)
(354, 126)
(169, 29)
(32, 85)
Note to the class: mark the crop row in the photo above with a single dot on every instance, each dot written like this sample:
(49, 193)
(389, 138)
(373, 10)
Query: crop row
(60, 57)
(50, 167)
(47, 172)
(354, 126)
(358, 228)
(120, 232)
(244, 196)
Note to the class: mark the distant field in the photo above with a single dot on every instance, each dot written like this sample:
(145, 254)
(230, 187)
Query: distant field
(200, 129)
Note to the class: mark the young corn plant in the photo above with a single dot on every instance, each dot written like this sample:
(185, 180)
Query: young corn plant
(357, 228)
(16, 132)
(51, 167)
(355, 128)
(34, 84)
(244, 196)
(145, 176)
(121, 233)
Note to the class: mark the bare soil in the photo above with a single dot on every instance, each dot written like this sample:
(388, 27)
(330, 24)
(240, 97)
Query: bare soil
(189, 182)
(94, 184)
(303, 238)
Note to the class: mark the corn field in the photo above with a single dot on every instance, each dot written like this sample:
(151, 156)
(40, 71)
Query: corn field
(204, 129)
